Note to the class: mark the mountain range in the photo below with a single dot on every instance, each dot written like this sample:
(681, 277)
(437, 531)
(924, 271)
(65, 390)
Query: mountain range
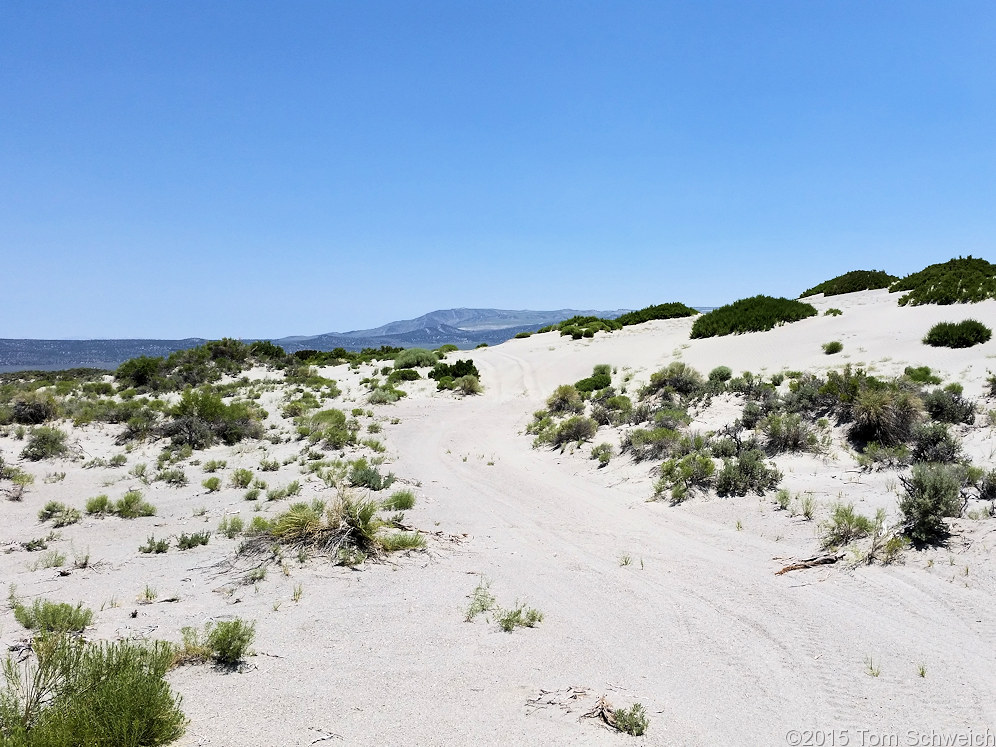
(465, 328)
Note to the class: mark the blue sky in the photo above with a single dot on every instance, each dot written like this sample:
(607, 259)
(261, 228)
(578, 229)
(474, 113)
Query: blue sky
(197, 168)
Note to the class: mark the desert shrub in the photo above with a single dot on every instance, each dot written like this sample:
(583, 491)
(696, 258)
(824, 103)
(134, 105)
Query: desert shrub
(633, 721)
(885, 416)
(240, 478)
(385, 395)
(131, 506)
(582, 326)
(399, 500)
(140, 373)
(832, 312)
(401, 541)
(189, 541)
(575, 429)
(987, 486)
(830, 348)
(678, 377)
(565, 398)
(79, 693)
(755, 314)
(748, 473)
(921, 375)
(651, 443)
(932, 442)
(672, 310)
(683, 476)
(603, 453)
(229, 640)
(788, 433)
(60, 514)
(363, 475)
(850, 282)
(174, 477)
(45, 442)
(949, 406)
(44, 616)
(98, 505)
(963, 334)
(844, 526)
(201, 418)
(932, 493)
(468, 384)
(212, 484)
(961, 280)
(523, 335)
(720, 374)
(600, 379)
(415, 358)
(33, 408)
(403, 374)
(876, 456)
(213, 465)
(154, 546)
(519, 616)
(454, 370)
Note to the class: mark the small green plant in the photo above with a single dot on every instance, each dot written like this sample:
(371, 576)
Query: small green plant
(297, 593)
(44, 616)
(252, 494)
(400, 500)
(830, 348)
(398, 541)
(603, 453)
(808, 506)
(871, 668)
(152, 545)
(174, 477)
(269, 465)
(212, 484)
(98, 505)
(518, 616)
(231, 527)
(241, 478)
(632, 721)
(921, 670)
(45, 442)
(226, 642)
(481, 600)
(132, 506)
(844, 526)
(932, 493)
(190, 541)
(782, 499)
(60, 514)
(832, 312)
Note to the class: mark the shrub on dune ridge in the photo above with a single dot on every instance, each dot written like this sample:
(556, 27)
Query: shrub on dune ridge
(850, 282)
(755, 314)
(672, 310)
(961, 280)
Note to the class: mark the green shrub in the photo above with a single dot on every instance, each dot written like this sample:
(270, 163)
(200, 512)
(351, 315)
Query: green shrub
(99, 505)
(403, 374)
(603, 453)
(575, 429)
(651, 443)
(832, 312)
(963, 334)
(683, 476)
(961, 280)
(720, 374)
(921, 375)
(131, 506)
(45, 442)
(33, 408)
(454, 370)
(190, 541)
(240, 478)
(850, 282)
(932, 493)
(214, 465)
(788, 433)
(519, 616)
(202, 418)
(60, 514)
(175, 477)
(415, 358)
(933, 442)
(677, 377)
(598, 380)
(231, 527)
(361, 474)
(949, 406)
(660, 311)
(468, 384)
(755, 314)
(229, 640)
(401, 541)
(565, 398)
(884, 416)
(523, 335)
(52, 617)
(830, 348)
(633, 721)
(747, 473)
(78, 693)
(844, 526)
(212, 484)
(400, 500)
(152, 545)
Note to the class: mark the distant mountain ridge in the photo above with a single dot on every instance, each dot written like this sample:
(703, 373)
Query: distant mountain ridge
(465, 328)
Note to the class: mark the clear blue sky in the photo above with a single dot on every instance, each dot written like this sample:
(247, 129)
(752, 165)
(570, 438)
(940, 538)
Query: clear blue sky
(198, 168)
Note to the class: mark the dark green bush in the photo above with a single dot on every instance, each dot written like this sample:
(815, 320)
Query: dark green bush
(45, 442)
(921, 375)
(454, 370)
(677, 377)
(415, 358)
(201, 418)
(949, 406)
(829, 348)
(361, 474)
(598, 380)
(934, 443)
(788, 433)
(52, 617)
(721, 374)
(958, 334)
(932, 493)
(683, 476)
(33, 409)
(961, 280)
(564, 399)
(748, 473)
(403, 374)
(849, 282)
(885, 416)
(672, 310)
(575, 429)
(755, 314)
(189, 541)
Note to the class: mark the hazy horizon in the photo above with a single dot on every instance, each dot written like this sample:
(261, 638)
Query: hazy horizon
(201, 169)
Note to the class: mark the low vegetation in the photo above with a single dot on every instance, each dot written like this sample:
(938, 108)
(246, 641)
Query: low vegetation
(850, 282)
(755, 314)
(961, 280)
(963, 334)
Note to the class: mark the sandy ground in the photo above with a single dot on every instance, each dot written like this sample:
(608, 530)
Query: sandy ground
(696, 626)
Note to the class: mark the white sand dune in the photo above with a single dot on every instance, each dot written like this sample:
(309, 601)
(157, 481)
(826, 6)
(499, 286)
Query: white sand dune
(697, 628)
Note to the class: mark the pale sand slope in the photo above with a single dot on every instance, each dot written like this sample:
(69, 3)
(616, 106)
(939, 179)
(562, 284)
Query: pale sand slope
(697, 628)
